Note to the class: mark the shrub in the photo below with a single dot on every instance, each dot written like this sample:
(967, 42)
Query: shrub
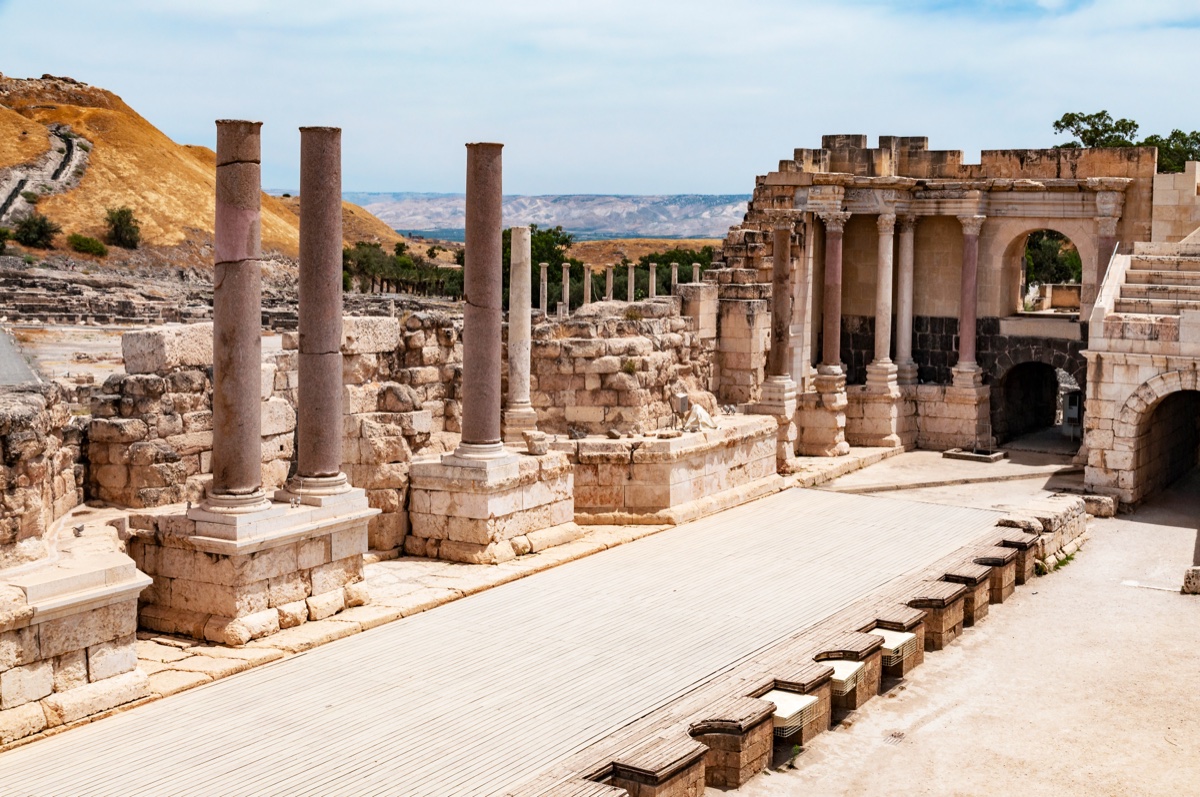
(36, 230)
(30, 197)
(633, 314)
(86, 245)
(123, 229)
(86, 147)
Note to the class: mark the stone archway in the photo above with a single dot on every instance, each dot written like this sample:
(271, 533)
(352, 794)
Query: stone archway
(1004, 243)
(1026, 372)
(1133, 451)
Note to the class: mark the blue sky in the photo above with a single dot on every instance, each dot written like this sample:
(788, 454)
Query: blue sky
(616, 96)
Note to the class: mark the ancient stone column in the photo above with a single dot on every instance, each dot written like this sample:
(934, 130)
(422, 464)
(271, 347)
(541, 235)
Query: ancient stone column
(881, 373)
(544, 297)
(831, 347)
(587, 284)
(519, 415)
(481, 306)
(1106, 243)
(319, 398)
(608, 283)
(781, 301)
(237, 323)
(674, 277)
(629, 282)
(566, 288)
(695, 272)
(967, 370)
(906, 369)
(653, 292)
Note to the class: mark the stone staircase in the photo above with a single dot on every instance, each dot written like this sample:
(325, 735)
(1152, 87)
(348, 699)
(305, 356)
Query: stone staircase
(1161, 284)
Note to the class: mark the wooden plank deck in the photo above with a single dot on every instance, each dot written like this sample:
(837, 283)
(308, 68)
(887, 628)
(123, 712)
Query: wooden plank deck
(525, 680)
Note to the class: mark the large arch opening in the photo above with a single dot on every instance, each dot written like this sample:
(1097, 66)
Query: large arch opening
(1168, 441)
(1039, 403)
(1051, 273)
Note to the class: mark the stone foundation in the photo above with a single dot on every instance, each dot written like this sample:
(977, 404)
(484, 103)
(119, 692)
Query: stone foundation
(943, 605)
(953, 417)
(486, 512)
(738, 735)
(657, 480)
(880, 419)
(233, 578)
(821, 416)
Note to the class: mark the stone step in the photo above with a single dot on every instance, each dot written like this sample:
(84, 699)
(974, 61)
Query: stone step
(1152, 277)
(1165, 262)
(1155, 306)
(1169, 292)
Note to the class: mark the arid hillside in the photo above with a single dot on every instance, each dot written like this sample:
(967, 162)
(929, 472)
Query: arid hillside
(126, 160)
(601, 253)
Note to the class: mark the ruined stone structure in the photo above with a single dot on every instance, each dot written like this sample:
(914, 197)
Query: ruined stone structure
(898, 253)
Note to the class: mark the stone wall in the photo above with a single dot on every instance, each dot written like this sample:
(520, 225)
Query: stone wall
(1176, 205)
(42, 472)
(614, 365)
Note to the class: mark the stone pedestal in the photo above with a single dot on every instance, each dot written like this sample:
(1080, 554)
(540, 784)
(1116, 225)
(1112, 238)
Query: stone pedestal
(233, 578)
(822, 416)
(487, 512)
(1191, 581)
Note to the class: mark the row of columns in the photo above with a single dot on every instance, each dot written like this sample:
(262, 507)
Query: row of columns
(544, 269)
(882, 373)
(237, 320)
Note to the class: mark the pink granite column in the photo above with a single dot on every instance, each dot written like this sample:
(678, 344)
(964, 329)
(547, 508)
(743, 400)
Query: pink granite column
(906, 368)
(969, 295)
(319, 399)
(831, 321)
(237, 323)
(781, 301)
(482, 313)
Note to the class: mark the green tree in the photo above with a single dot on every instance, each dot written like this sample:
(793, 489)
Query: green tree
(1096, 130)
(1175, 150)
(1050, 257)
(35, 230)
(547, 245)
(123, 228)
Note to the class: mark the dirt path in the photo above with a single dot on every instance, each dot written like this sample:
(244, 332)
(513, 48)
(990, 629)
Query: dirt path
(58, 170)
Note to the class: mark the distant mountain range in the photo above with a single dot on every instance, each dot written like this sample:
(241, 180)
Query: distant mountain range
(588, 216)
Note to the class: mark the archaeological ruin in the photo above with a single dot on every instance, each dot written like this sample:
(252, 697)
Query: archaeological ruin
(874, 300)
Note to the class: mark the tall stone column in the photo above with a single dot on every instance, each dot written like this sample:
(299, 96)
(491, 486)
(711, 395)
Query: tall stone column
(966, 372)
(237, 323)
(881, 373)
(653, 291)
(519, 415)
(565, 307)
(779, 389)
(587, 284)
(319, 398)
(481, 306)
(674, 277)
(831, 321)
(544, 297)
(905, 367)
(629, 282)
(608, 283)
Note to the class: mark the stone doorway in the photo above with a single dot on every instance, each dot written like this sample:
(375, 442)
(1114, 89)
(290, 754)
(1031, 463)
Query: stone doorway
(1051, 273)
(1168, 441)
(1029, 400)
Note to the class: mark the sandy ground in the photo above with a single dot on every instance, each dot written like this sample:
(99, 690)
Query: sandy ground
(1084, 683)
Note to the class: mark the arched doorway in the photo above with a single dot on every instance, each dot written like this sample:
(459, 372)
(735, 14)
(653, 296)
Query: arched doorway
(1051, 273)
(1031, 398)
(1168, 441)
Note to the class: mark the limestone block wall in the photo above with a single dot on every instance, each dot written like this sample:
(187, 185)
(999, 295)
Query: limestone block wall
(41, 472)
(614, 365)
(743, 333)
(1176, 205)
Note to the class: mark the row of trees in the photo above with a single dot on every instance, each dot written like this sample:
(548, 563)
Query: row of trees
(367, 267)
(1101, 130)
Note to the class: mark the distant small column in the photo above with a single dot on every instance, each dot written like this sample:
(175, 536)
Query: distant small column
(566, 288)
(674, 277)
(695, 272)
(906, 369)
(482, 314)
(519, 415)
(629, 282)
(319, 398)
(587, 284)
(967, 372)
(237, 323)
(653, 292)
(544, 297)
(608, 283)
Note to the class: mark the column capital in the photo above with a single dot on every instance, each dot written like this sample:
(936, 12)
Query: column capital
(835, 221)
(1107, 226)
(971, 224)
(886, 222)
(908, 222)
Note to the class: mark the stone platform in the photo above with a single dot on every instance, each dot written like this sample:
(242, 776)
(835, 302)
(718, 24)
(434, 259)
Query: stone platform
(673, 480)
(233, 578)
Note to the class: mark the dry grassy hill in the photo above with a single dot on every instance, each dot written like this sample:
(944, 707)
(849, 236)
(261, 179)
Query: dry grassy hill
(601, 253)
(169, 186)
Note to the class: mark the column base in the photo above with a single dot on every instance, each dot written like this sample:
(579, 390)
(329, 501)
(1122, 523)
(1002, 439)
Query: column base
(967, 375)
(822, 416)
(883, 376)
(311, 490)
(477, 452)
(228, 504)
(515, 422)
(778, 398)
(881, 417)
(906, 373)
